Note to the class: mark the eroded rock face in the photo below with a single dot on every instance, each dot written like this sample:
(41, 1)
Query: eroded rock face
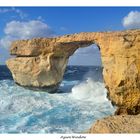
(41, 63)
(117, 124)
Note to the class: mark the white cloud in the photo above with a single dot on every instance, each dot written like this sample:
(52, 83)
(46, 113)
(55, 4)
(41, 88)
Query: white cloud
(20, 13)
(86, 56)
(132, 20)
(30, 29)
(88, 50)
(6, 41)
(15, 30)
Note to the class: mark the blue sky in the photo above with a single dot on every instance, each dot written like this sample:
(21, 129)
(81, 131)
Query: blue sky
(28, 22)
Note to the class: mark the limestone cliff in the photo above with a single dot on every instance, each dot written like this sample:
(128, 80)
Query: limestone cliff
(41, 63)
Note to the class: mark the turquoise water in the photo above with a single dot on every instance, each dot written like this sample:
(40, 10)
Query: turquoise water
(80, 101)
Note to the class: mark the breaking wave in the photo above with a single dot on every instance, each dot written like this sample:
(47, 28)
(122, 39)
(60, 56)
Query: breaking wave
(72, 111)
(89, 90)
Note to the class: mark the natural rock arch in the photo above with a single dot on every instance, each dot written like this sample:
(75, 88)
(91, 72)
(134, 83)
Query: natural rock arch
(41, 63)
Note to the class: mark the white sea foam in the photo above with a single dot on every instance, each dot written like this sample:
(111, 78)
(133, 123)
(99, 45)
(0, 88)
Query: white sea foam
(90, 90)
(70, 71)
(27, 111)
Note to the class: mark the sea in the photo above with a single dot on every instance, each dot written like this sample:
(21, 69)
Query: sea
(78, 103)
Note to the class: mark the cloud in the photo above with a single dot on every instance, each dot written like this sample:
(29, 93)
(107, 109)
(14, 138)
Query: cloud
(132, 20)
(88, 50)
(16, 30)
(20, 13)
(86, 56)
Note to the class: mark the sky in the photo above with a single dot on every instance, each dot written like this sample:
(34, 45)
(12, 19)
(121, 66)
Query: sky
(30, 22)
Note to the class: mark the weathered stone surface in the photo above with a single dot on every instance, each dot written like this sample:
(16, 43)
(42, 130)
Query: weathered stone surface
(117, 124)
(41, 63)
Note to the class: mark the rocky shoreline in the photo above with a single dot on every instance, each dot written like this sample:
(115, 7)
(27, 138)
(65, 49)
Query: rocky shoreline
(117, 124)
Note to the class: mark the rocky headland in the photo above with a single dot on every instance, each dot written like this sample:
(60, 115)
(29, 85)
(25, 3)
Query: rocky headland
(40, 63)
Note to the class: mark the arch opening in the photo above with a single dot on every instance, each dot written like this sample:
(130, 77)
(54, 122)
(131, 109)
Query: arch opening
(83, 80)
(87, 56)
(84, 65)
